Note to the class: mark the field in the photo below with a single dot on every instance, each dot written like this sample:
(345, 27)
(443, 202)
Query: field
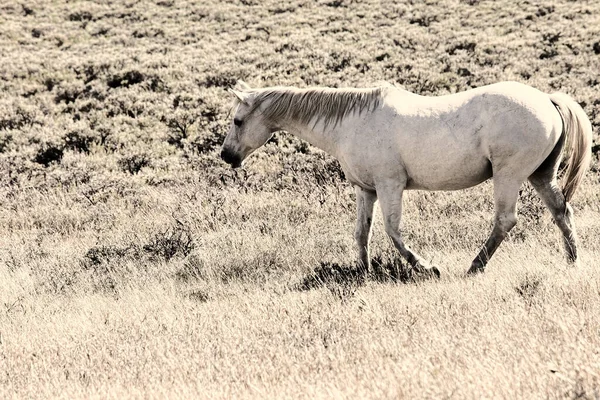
(134, 263)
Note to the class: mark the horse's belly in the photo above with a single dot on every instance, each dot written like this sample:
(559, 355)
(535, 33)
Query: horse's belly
(458, 175)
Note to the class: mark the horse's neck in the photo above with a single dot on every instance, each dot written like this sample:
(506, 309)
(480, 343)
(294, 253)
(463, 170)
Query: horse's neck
(329, 108)
(318, 135)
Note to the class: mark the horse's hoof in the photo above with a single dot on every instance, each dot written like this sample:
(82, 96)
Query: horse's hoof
(362, 271)
(427, 272)
(474, 270)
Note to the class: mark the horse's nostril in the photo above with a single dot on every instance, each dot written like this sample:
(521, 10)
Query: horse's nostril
(227, 156)
(230, 158)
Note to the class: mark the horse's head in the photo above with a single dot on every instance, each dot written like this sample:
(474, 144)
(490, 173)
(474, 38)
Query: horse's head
(248, 130)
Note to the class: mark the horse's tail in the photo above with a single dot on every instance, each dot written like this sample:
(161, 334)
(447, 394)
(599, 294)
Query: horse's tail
(577, 129)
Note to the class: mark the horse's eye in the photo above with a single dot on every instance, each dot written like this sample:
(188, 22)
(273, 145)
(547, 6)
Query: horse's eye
(237, 122)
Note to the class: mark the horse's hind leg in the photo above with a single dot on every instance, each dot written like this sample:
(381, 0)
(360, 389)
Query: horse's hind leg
(390, 200)
(562, 212)
(544, 182)
(506, 192)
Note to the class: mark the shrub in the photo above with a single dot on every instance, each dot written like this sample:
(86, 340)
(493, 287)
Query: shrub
(134, 163)
(80, 16)
(5, 141)
(18, 116)
(126, 79)
(79, 140)
(179, 124)
(101, 255)
(170, 243)
(48, 154)
(67, 92)
(223, 80)
(205, 144)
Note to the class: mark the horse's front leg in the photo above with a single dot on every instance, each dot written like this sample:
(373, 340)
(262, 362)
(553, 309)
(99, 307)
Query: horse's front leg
(365, 201)
(390, 199)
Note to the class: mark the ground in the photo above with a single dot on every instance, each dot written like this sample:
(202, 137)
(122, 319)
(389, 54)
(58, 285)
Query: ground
(135, 263)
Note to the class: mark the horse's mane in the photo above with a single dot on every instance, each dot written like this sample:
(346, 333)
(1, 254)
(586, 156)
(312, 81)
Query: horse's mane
(322, 104)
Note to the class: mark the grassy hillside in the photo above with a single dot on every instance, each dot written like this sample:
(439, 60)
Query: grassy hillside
(135, 263)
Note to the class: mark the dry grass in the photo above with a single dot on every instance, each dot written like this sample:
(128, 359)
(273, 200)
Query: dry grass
(134, 263)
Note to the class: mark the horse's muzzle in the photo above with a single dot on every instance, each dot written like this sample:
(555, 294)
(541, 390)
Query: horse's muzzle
(230, 158)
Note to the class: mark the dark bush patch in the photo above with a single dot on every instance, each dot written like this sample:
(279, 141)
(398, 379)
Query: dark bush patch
(199, 295)
(179, 126)
(176, 138)
(104, 261)
(219, 80)
(187, 102)
(382, 57)
(101, 31)
(532, 208)
(79, 141)
(134, 163)
(99, 255)
(304, 148)
(5, 142)
(391, 269)
(324, 173)
(339, 61)
(49, 83)
(466, 46)
(528, 289)
(206, 144)
(91, 71)
(153, 32)
(80, 16)
(347, 279)
(543, 11)
(156, 84)
(464, 72)
(170, 243)
(551, 38)
(291, 47)
(124, 105)
(548, 53)
(126, 79)
(337, 4)
(332, 172)
(66, 94)
(424, 20)
(342, 281)
(210, 114)
(49, 154)
(18, 118)
(27, 11)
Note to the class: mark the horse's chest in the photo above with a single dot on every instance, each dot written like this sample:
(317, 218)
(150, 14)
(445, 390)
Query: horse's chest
(358, 175)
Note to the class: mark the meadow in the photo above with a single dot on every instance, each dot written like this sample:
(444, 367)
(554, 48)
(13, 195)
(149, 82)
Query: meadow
(134, 263)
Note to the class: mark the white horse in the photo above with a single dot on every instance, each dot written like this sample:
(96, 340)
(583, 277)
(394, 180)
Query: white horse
(388, 140)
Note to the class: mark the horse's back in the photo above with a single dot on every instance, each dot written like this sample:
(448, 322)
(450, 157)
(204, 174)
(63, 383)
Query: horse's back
(455, 141)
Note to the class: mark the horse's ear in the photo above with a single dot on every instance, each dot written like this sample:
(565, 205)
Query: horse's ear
(241, 85)
(241, 96)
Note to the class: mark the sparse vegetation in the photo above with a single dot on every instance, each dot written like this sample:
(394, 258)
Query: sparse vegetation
(134, 263)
